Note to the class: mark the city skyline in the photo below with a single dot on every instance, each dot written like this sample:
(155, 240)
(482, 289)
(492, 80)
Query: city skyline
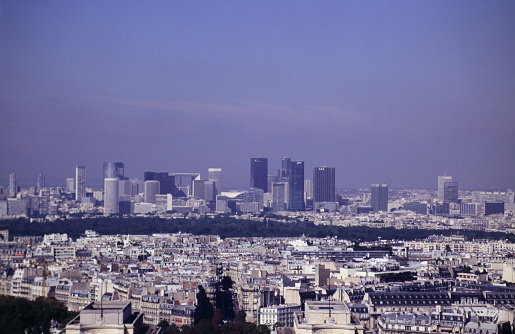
(388, 92)
(212, 173)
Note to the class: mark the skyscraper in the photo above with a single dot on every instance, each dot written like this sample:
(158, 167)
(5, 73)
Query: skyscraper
(40, 185)
(308, 188)
(285, 168)
(450, 192)
(379, 198)
(151, 190)
(70, 184)
(441, 184)
(215, 175)
(111, 195)
(13, 184)
(114, 170)
(166, 181)
(296, 186)
(278, 196)
(324, 184)
(80, 182)
(259, 173)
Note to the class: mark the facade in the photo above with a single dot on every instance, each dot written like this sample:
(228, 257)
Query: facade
(111, 196)
(13, 184)
(296, 186)
(152, 188)
(114, 170)
(215, 175)
(441, 186)
(308, 189)
(40, 185)
(282, 315)
(259, 173)
(80, 182)
(324, 184)
(379, 197)
(450, 192)
(70, 184)
(278, 196)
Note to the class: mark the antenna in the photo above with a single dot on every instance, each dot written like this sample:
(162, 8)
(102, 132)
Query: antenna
(329, 279)
(101, 308)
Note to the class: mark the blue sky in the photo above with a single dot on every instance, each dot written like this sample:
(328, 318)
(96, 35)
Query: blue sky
(394, 92)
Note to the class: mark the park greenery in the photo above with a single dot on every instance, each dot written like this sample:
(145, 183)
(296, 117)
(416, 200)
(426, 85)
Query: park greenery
(226, 226)
(19, 315)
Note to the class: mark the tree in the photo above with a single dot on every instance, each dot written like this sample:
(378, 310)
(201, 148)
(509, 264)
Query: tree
(204, 310)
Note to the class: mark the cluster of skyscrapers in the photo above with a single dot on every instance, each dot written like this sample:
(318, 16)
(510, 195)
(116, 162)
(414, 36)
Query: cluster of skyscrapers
(288, 189)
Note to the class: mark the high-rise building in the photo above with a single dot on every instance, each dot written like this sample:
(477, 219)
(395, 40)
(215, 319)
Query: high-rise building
(151, 190)
(215, 175)
(114, 170)
(13, 184)
(40, 185)
(80, 182)
(271, 180)
(296, 186)
(278, 196)
(166, 181)
(379, 197)
(441, 184)
(450, 192)
(324, 184)
(198, 189)
(308, 188)
(259, 173)
(70, 185)
(111, 192)
(285, 168)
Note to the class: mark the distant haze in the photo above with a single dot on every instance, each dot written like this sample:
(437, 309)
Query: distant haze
(394, 92)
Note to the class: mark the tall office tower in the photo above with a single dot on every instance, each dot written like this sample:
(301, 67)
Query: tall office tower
(114, 170)
(296, 186)
(210, 190)
(308, 188)
(13, 184)
(151, 190)
(441, 183)
(285, 167)
(111, 195)
(271, 180)
(379, 198)
(215, 175)
(510, 196)
(120, 170)
(80, 182)
(259, 173)
(138, 186)
(198, 189)
(40, 185)
(450, 192)
(324, 184)
(124, 188)
(166, 181)
(70, 185)
(278, 196)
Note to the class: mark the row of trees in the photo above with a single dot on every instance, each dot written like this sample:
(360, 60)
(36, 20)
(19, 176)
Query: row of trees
(225, 226)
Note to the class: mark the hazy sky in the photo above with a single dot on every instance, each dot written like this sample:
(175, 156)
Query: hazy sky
(394, 92)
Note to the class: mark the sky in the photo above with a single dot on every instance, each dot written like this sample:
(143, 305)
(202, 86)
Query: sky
(394, 92)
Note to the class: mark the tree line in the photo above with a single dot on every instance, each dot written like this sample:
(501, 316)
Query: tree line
(225, 227)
